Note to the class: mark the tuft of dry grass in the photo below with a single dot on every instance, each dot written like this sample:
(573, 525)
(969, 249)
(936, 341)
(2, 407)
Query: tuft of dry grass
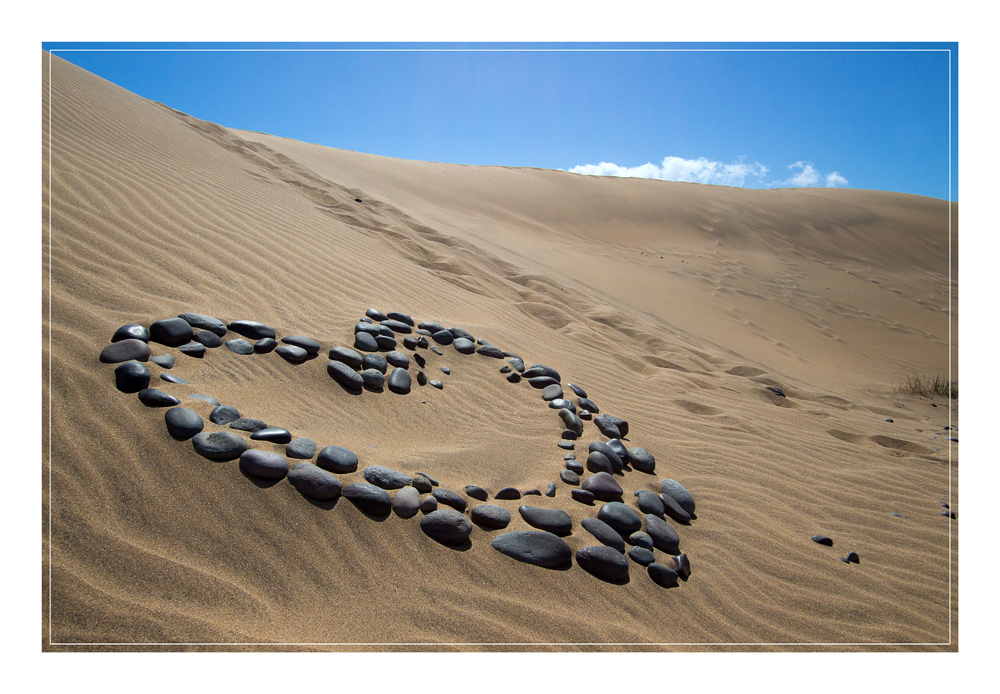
(924, 386)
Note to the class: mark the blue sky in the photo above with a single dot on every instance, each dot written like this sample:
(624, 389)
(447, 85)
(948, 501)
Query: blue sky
(873, 116)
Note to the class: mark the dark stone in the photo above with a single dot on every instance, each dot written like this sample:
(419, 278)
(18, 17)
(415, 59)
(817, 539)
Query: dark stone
(172, 332)
(310, 345)
(569, 477)
(562, 404)
(252, 329)
(314, 482)
(542, 370)
(476, 492)
(664, 537)
(207, 398)
(398, 359)
(240, 346)
(272, 434)
(429, 504)
(648, 502)
(301, 448)
(445, 370)
(219, 445)
(128, 349)
(490, 351)
(508, 493)
(443, 337)
(553, 520)
(683, 566)
(588, 404)
(823, 540)
(151, 397)
(543, 382)
(641, 459)
(421, 362)
(373, 379)
(679, 493)
(198, 320)
(292, 353)
(621, 518)
(514, 377)
(674, 510)
(552, 392)
(535, 547)
(165, 361)
(373, 330)
(247, 424)
(464, 345)
(410, 342)
(406, 502)
(429, 478)
(170, 378)
(572, 422)
(376, 315)
(437, 352)
(399, 381)
(193, 349)
(397, 326)
(132, 331)
(583, 496)
(458, 332)
(662, 576)
(566, 445)
(421, 484)
(437, 384)
(385, 342)
(641, 555)
(852, 558)
(640, 539)
(585, 415)
(612, 427)
(224, 414)
(263, 464)
(505, 369)
(369, 361)
(575, 465)
(430, 326)
(183, 423)
(776, 390)
(580, 392)
(490, 516)
(265, 345)
(533, 492)
(369, 498)
(446, 525)
(450, 498)
(345, 375)
(604, 533)
(401, 317)
(617, 464)
(551, 489)
(619, 449)
(131, 377)
(517, 363)
(365, 342)
(569, 435)
(603, 562)
(598, 462)
(207, 338)
(386, 478)
(337, 459)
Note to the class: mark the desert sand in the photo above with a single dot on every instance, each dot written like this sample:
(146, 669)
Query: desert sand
(674, 305)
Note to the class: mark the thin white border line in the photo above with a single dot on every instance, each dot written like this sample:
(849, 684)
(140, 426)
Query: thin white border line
(532, 644)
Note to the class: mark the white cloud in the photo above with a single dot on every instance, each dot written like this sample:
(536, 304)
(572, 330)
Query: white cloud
(704, 170)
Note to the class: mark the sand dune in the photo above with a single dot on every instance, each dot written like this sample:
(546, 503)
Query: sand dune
(673, 304)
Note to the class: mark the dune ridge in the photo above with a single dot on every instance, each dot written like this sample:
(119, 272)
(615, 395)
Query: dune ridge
(672, 304)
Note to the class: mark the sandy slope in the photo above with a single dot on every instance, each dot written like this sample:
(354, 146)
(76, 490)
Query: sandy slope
(672, 304)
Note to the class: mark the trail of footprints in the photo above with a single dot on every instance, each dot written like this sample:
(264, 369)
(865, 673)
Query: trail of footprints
(446, 517)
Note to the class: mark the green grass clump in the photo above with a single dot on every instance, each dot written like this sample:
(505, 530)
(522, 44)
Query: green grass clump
(922, 385)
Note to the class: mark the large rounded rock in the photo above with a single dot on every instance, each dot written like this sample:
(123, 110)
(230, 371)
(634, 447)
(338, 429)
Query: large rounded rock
(398, 359)
(430, 326)
(562, 404)
(376, 315)
(198, 320)
(151, 397)
(476, 492)
(490, 351)
(131, 377)
(301, 447)
(292, 353)
(681, 495)
(552, 392)
(397, 326)
(464, 345)
(272, 434)
(183, 423)
(450, 498)
(239, 346)
(401, 317)
(569, 477)
(572, 422)
(553, 520)
(490, 516)
(369, 498)
(132, 331)
(535, 547)
(517, 363)
(369, 328)
(458, 332)
(265, 345)
(429, 504)
(542, 382)
(446, 526)
(641, 459)
(252, 329)
(263, 465)
(129, 349)
(365, 342)
(617, 464)
(373, 379)
(247, 424)
(648, 502)
(386, 478)
(665, 538)
(314, 482)
(588, 404)
(193, 349)
(583, 496)
(219, 445)
(603, 486)
(207, 338)
(345, 375)
(406, 502)
(508, 493)
(385, 342)
(310, 345)
(619, 448)
(612, 427)
(399, 381)
(603, 562)
(604, 533)
(172, 332)
(621, 518)
(164, 360)
(540, 370)
(574, 465)
(443, 337)
(337, 459)
(598, 463)
(674, 510)
(662, 576)
(371, 361)
(642, 555)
